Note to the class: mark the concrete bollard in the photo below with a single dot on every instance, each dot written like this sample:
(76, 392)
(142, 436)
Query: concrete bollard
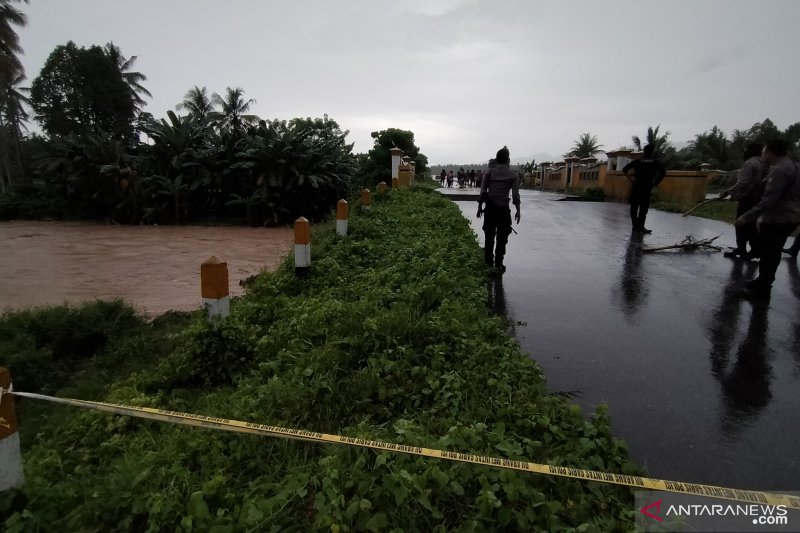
(341, 218)
(395, 182)
(382, 187)
(397, 155)
(214, 288)
(302, 245)
(366, 199)
(11, 475)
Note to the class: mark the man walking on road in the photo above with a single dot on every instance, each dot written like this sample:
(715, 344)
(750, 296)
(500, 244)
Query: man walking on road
(777, 215)
(497, 183)
(644, 174)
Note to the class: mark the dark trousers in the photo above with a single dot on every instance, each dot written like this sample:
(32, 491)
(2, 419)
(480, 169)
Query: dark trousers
(795, 247)
(640, 204)
(771, 238)
(496, 225)
(749, 233)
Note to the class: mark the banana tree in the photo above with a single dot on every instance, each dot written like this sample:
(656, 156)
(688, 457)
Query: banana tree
(300, 169)
(85, 172)
(180, 148)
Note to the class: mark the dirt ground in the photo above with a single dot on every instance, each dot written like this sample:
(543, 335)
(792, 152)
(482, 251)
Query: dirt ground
(154, 268)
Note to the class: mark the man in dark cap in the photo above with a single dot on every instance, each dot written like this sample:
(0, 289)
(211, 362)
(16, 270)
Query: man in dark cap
(644, 174)
(497, 183)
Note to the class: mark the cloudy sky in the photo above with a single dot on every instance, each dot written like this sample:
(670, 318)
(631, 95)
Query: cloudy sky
(467, 76)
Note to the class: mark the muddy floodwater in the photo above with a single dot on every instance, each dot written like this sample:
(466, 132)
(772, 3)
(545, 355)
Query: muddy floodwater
(154, 268)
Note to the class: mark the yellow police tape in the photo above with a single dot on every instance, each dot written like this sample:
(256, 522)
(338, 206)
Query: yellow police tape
(237, 426)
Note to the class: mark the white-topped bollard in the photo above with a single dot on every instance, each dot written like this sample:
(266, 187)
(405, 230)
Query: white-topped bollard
(396, 154)
(341, 217)
(366, 199)
(302, 245)
(214, 288)
(11, 475)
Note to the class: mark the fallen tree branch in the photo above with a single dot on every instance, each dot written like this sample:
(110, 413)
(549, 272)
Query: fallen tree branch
(698, 206)
(689, 244)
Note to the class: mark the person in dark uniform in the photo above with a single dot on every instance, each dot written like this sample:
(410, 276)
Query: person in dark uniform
(747, 191)
(777, 215)
(497, 183)
(644, 174)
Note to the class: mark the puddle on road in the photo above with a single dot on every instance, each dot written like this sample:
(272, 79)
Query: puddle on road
(154, 268)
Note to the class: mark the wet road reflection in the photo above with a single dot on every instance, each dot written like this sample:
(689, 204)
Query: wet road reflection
(497, 296)
(634, 286)
(746, 386)
(725, 321)
(704, 387)
(794, 283)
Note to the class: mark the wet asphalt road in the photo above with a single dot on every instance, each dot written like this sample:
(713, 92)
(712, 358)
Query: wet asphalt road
(703, 386)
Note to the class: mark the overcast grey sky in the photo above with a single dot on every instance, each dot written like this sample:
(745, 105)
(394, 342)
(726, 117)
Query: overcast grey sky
(466, 76)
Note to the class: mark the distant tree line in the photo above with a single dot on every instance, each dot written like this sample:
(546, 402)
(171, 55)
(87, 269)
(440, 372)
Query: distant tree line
(101, 156)
(714, 147)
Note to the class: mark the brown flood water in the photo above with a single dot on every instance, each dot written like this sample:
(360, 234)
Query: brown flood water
(154, 268)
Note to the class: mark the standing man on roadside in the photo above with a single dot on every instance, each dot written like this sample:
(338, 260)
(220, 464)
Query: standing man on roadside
(777, 215)
(497, 183)
(644, 174)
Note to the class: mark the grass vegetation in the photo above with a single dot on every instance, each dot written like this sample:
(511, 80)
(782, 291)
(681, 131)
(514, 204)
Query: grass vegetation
(724, 210)
(389, 337)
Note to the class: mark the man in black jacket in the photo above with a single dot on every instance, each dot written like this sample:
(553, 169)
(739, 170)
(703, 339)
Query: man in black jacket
(644, 174)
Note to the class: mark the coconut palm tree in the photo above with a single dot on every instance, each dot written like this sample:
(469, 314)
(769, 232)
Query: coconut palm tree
(12, 114)
(12, 123)
(714, 148)
(663, 148)
(658, 141)
(10, 16)
(132, 79)
(585, 146)
(197, 102)
(233, 110)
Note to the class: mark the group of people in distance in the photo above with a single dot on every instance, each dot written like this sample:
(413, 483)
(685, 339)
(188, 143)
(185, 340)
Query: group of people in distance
(767, 190)
(464, 178)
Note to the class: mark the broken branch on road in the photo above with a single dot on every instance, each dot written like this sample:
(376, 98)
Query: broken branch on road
(688, 244)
